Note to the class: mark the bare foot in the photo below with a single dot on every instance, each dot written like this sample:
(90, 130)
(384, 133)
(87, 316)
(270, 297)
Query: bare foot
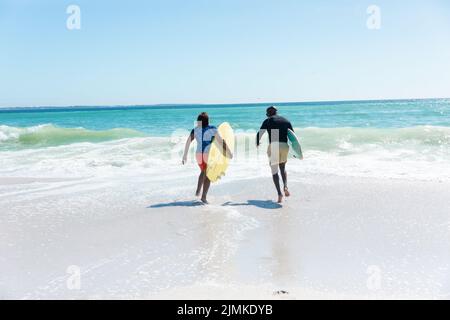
(197, 193)
(204, 200)
(280, 198)
(286, 192)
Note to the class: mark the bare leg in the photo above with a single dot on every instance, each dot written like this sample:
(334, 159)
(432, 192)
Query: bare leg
(206, 184)
(276, 181)
(201, 178)
(284, 177)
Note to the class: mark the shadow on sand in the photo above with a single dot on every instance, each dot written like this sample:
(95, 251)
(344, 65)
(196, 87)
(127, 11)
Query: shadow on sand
(263, 204)
(194, 203)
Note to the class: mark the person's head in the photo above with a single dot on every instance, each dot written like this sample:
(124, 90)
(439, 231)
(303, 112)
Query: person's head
(203, 120)
(271, 111)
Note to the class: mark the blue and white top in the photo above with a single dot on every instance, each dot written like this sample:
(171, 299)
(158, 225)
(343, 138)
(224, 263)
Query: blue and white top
(204, 137)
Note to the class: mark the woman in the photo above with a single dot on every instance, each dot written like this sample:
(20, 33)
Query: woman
(204, 134)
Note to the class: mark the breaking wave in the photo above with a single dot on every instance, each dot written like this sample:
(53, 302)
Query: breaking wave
(50, 135)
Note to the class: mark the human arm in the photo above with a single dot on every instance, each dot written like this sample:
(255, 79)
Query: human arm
(261, 132)
(225, 149)
(186, 147)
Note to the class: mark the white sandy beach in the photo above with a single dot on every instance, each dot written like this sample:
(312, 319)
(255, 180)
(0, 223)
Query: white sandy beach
(105, 105)
(135, 236)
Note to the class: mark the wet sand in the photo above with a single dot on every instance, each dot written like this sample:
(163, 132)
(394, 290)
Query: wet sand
(335, 238)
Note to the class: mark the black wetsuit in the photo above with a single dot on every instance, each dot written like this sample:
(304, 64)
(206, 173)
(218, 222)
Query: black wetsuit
(276, 123)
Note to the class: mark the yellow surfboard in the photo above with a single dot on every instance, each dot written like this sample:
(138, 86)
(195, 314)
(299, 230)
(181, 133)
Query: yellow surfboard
(217, 162)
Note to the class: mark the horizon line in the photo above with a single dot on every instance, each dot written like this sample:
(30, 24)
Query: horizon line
(307, 102)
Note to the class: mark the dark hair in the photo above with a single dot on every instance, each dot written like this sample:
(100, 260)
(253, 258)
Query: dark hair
(271, 111)
(204, 118)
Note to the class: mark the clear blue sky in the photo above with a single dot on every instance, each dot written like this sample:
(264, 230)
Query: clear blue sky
(221, 51)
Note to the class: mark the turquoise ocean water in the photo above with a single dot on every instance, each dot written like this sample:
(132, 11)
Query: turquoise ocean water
(401, 139)
(37, 127)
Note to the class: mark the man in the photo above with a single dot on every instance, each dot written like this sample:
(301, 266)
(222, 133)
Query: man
(277, 127)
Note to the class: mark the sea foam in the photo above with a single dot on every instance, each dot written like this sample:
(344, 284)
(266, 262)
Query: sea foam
(47, 150)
